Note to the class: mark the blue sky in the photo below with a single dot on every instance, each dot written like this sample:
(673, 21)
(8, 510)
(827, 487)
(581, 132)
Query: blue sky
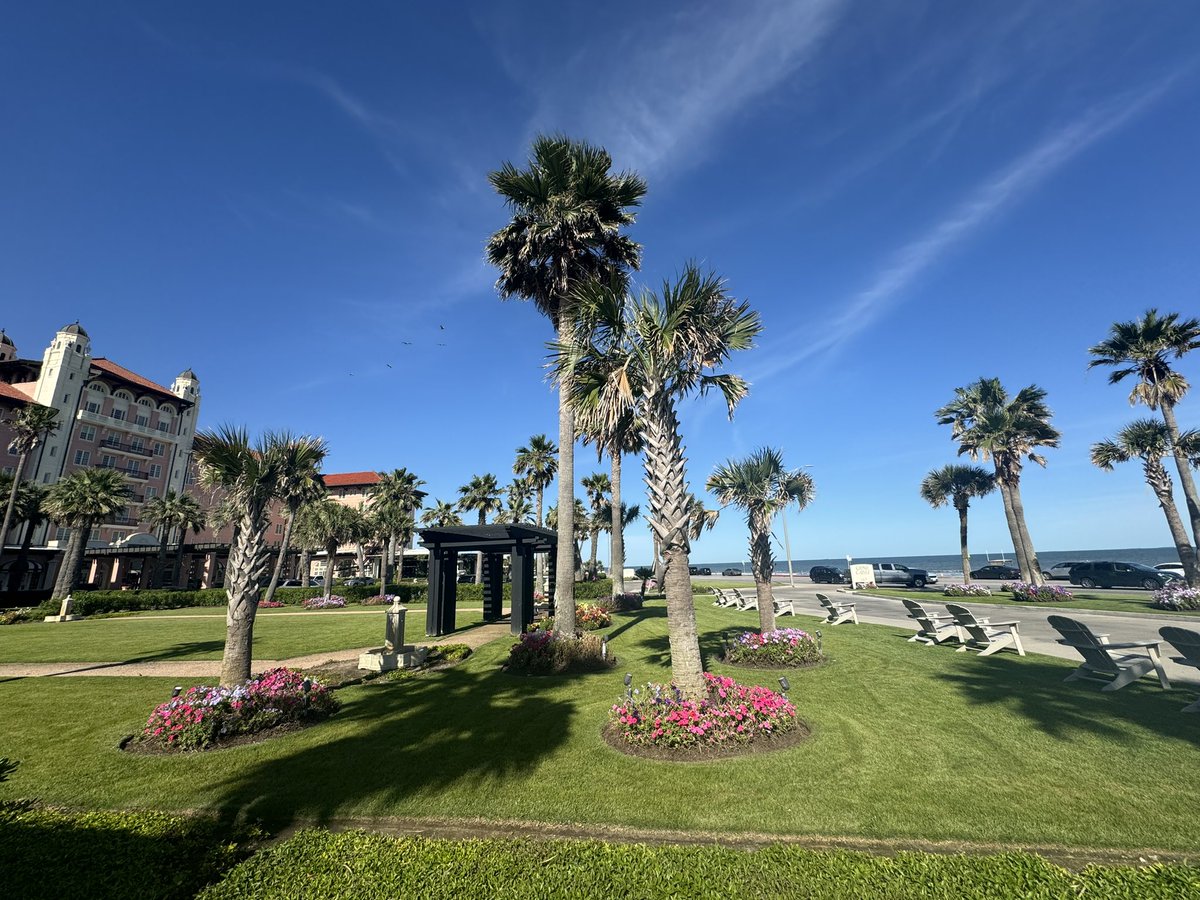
(913, 195)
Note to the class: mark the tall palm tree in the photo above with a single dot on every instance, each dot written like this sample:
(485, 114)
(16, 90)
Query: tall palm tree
(605, 521)
(537, 464)
(568, 211)
(520, 503)
(441, 515)
(248, 472)
(399, 489)
(480, 495)
(30, 427)
(762, 486)
(1150, 441)
(701, 519)
(172, 512)
(957, 484)
(78, 502)
(299, 483)
(1144, 348)
(329, 524)
(614, 438)
(989, 425)
(597, 486)
(580, 533)
(391, 526)
(645, 354)
(27, 512)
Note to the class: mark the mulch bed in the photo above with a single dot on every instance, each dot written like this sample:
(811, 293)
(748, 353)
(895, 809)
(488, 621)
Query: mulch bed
(768, 744)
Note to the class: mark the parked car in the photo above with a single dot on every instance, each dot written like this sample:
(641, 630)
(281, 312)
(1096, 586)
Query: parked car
(317, 581)
(466, 578)
(291, 582)
(1174, 568)
(359, 581)
(1119, 574)
(699, 570)
(731, 571)
(1000, 573)
(1060, 571)
(826, 575)
(894, 573)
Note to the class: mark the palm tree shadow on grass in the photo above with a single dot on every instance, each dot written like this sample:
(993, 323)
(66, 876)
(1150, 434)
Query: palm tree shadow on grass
(171, 654)
(711, 645)
(1035, 691)
(635, 618)
(404, 739)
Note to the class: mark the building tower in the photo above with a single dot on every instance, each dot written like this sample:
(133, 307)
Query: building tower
(65, 367)
(187, 387)
(8, 350)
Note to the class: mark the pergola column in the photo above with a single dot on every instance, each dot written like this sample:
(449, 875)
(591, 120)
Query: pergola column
(493, 586)
(551, 580)
(449, 591)
(522, 588)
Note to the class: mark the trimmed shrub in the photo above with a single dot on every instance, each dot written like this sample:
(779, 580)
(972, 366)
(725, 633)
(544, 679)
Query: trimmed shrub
(627, 602)
(553, 653)
(202, 716)
(781, 647)
(1038, 593)
(966, 590)
(731, 713)
(1176, 595)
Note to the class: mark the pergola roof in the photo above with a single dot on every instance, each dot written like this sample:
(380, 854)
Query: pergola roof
(489, 537)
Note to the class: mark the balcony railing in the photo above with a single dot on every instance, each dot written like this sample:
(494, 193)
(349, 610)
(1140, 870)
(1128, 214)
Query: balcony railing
(132, 473)
(108, 444)
(137, 498)
(121, 520)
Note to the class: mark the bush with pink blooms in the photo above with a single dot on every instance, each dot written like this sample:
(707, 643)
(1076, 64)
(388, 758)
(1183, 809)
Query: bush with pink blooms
(1038, 593)
(203, 716)
(774, 649)
(270, 604)
(554, 653)
(730, 714)
(331, 602)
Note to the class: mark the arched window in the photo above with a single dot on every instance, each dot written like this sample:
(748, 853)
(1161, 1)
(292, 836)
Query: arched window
(99, 387)
(123, 395)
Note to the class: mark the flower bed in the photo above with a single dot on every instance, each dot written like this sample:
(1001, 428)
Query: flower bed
(203, 716)
(732, 714)
(591, 616)
(377, 600)
(270, 604)
(554, 653)
(966, 590)
(331, 602)
(1038, 593)
(772, 649)
(1176, 595)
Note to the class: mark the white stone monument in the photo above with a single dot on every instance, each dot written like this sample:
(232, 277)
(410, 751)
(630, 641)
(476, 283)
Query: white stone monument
(64, 612)
(394, 654)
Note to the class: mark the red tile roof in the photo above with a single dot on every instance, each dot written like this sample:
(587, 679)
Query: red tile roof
(348, 479)
(12, 392)
(111, 368)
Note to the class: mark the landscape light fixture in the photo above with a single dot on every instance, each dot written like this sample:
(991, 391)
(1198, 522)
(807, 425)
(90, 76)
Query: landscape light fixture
(629, 685)
(306, 686)
(785, 684)
(604, 649)
(178, 690)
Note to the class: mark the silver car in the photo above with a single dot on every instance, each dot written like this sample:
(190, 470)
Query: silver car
(1061, 571)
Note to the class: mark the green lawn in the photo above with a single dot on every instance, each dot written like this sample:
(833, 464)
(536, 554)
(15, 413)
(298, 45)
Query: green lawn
(908, 742)
(146, 639)
(1111, 601)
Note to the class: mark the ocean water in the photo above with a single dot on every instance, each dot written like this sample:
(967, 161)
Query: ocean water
(952, 564)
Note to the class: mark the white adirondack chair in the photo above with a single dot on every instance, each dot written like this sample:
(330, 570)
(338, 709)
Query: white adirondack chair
(1099, 657)
(838, 612)
(1187, 643)
(746, 602)
(983, 635)
(785, 608)
(935, 627)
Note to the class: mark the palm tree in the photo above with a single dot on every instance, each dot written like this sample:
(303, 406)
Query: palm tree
(78, 502)
(536, 464)
(441, 515)
(1143, 348)
(597, 486)
(28, 512)
(30, 427)
(700, 519)
(329, 524)
(615, 438)
(300, 483)
(170, 513)
(644, 354)
(249, 473)
(520, 505)
(988, 425)
(1150, 441)
(398, 489)
(568, 210)
(606, 521)
(760, 485)
(481, 495)
(957, 484)
(580, 534)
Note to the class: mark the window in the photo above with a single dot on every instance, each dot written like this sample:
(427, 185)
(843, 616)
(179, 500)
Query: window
(118, 414)
(112, 440)
(83, 457)
(279, 528)
(108, 461)
(62, 534)
(92, 406)
(144, 421)
(54, 450)
(87, 433)
(138, 444)
(12, 450)
(151, 492)
(156, 471)
(95, 535)
(158, 449)
(66, 398)
(133, 466)
(164, 426)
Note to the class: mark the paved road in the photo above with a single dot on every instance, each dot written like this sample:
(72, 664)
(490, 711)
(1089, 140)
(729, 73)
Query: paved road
(1036, 634)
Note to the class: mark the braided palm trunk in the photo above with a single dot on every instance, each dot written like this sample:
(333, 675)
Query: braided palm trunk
(617, 541)
(1160, 482)
(248, 561)
(564, 571)
(961, 505)
(1191, 561)
(1035, 568)
(68, 572)
(666, 485)
(763, 566)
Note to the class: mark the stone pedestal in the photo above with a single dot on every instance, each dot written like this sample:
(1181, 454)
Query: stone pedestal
(64, 612)
(385, 660)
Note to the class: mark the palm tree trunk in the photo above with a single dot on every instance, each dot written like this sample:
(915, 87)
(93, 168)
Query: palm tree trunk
(763, 567)
(1035, 568)
(962, 543)
(564, 574)
(660, 573)
(17, 573)
(160, 561)
(331, 549)
(1160, 482)
(479, 556)
(1183, 464)
(64, 582)
(1014, 530)
(305, 565)
(179, 557)
(595, 548)
(12, 503)
(616, 545)
(282, 557)
(248, 560)
(666, 484)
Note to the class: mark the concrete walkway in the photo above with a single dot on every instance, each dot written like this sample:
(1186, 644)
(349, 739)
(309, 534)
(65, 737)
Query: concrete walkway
(211, 668)
(1036, 634)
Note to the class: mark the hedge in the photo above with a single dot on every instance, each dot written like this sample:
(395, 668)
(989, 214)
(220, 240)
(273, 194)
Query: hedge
(364, 866)
(55, 854)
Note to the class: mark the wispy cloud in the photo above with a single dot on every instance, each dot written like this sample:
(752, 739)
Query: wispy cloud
(981, 206)
(667, 92)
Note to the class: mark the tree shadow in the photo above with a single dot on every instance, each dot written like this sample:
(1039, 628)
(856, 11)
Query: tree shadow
(1035, 690)
(398, 741)
(712, 644)
(166, 654)
(634, 618)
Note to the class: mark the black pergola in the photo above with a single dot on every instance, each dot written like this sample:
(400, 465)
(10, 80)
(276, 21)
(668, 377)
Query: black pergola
(520, 542)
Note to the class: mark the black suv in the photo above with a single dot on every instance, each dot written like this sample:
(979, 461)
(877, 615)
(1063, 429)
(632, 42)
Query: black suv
(826, 575)
(1003, 573)
(699, 570)
(1120, 574)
